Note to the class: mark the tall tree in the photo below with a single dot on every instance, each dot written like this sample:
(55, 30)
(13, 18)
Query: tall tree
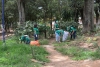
(97, 9)
(88, 16)
(0, 10)
(21, 9)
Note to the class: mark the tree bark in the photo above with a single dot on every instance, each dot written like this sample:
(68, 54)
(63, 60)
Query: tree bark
(92, 16)
(88, 16)
(21, 10)
(97, 11)
(97, 16)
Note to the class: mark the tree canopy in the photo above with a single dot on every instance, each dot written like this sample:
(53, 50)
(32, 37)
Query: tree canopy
(66, 10)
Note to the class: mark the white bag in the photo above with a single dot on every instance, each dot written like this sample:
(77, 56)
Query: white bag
(65, 36)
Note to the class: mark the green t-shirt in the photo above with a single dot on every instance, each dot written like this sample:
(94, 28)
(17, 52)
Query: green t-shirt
(56, 26)
(27, 39)
(60, 32)
(22, 38)
(68, 28)
(36, 31)
(72, 29)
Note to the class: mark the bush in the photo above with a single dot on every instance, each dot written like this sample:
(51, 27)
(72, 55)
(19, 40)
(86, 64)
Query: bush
(64, 25)
(24, 29)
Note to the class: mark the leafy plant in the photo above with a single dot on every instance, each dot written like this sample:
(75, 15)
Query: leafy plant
(64, 25)
(27, 28)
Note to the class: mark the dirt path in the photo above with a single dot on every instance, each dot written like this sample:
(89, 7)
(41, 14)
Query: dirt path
(59, 60)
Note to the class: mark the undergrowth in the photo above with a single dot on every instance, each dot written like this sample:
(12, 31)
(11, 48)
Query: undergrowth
(44, 42)
(74, 51)
(20, 55)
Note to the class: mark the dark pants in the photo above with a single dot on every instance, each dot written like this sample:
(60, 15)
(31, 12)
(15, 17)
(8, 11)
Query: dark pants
(27, 42)
(73, 35)
(35, 37)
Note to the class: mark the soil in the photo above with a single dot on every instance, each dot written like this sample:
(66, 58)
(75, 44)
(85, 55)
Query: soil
(59, 60)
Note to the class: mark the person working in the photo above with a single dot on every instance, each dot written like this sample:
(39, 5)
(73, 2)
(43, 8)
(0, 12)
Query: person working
(59, 34)
(36, 32)
(72, 32)
(25, 39)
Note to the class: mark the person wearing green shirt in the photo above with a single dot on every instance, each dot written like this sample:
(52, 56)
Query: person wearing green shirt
(56, 26)
(72, 31)
(59, 34)
(22, 38)
(36, 32)
(25, 39)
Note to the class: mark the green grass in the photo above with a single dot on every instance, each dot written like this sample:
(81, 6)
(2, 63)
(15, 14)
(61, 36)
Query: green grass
(44, 42)
(40, 54)
(76, 52)
(22, 65)
(20, 55)
(61, 44)
(96, 54)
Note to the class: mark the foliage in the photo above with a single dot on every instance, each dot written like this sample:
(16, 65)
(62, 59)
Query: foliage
(11, 13)
(98, 33)
(61, 9)
(76, 51)
(27, 28)
(64, 25)
(44, 41)
(40, 54)
(42, 27)
(20, 54)
(96, 54)
(67, 15)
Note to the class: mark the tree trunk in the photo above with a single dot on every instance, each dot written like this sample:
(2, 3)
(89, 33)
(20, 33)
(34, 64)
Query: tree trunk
(45, 32)
(97, 16)
(51, 19)
(81, 14)
(76, 15)
(45, 15)
(97, 11)
(20, 4)
(88, 16)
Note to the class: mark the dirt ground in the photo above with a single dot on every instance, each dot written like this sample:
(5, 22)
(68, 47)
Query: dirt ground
(59, 60)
